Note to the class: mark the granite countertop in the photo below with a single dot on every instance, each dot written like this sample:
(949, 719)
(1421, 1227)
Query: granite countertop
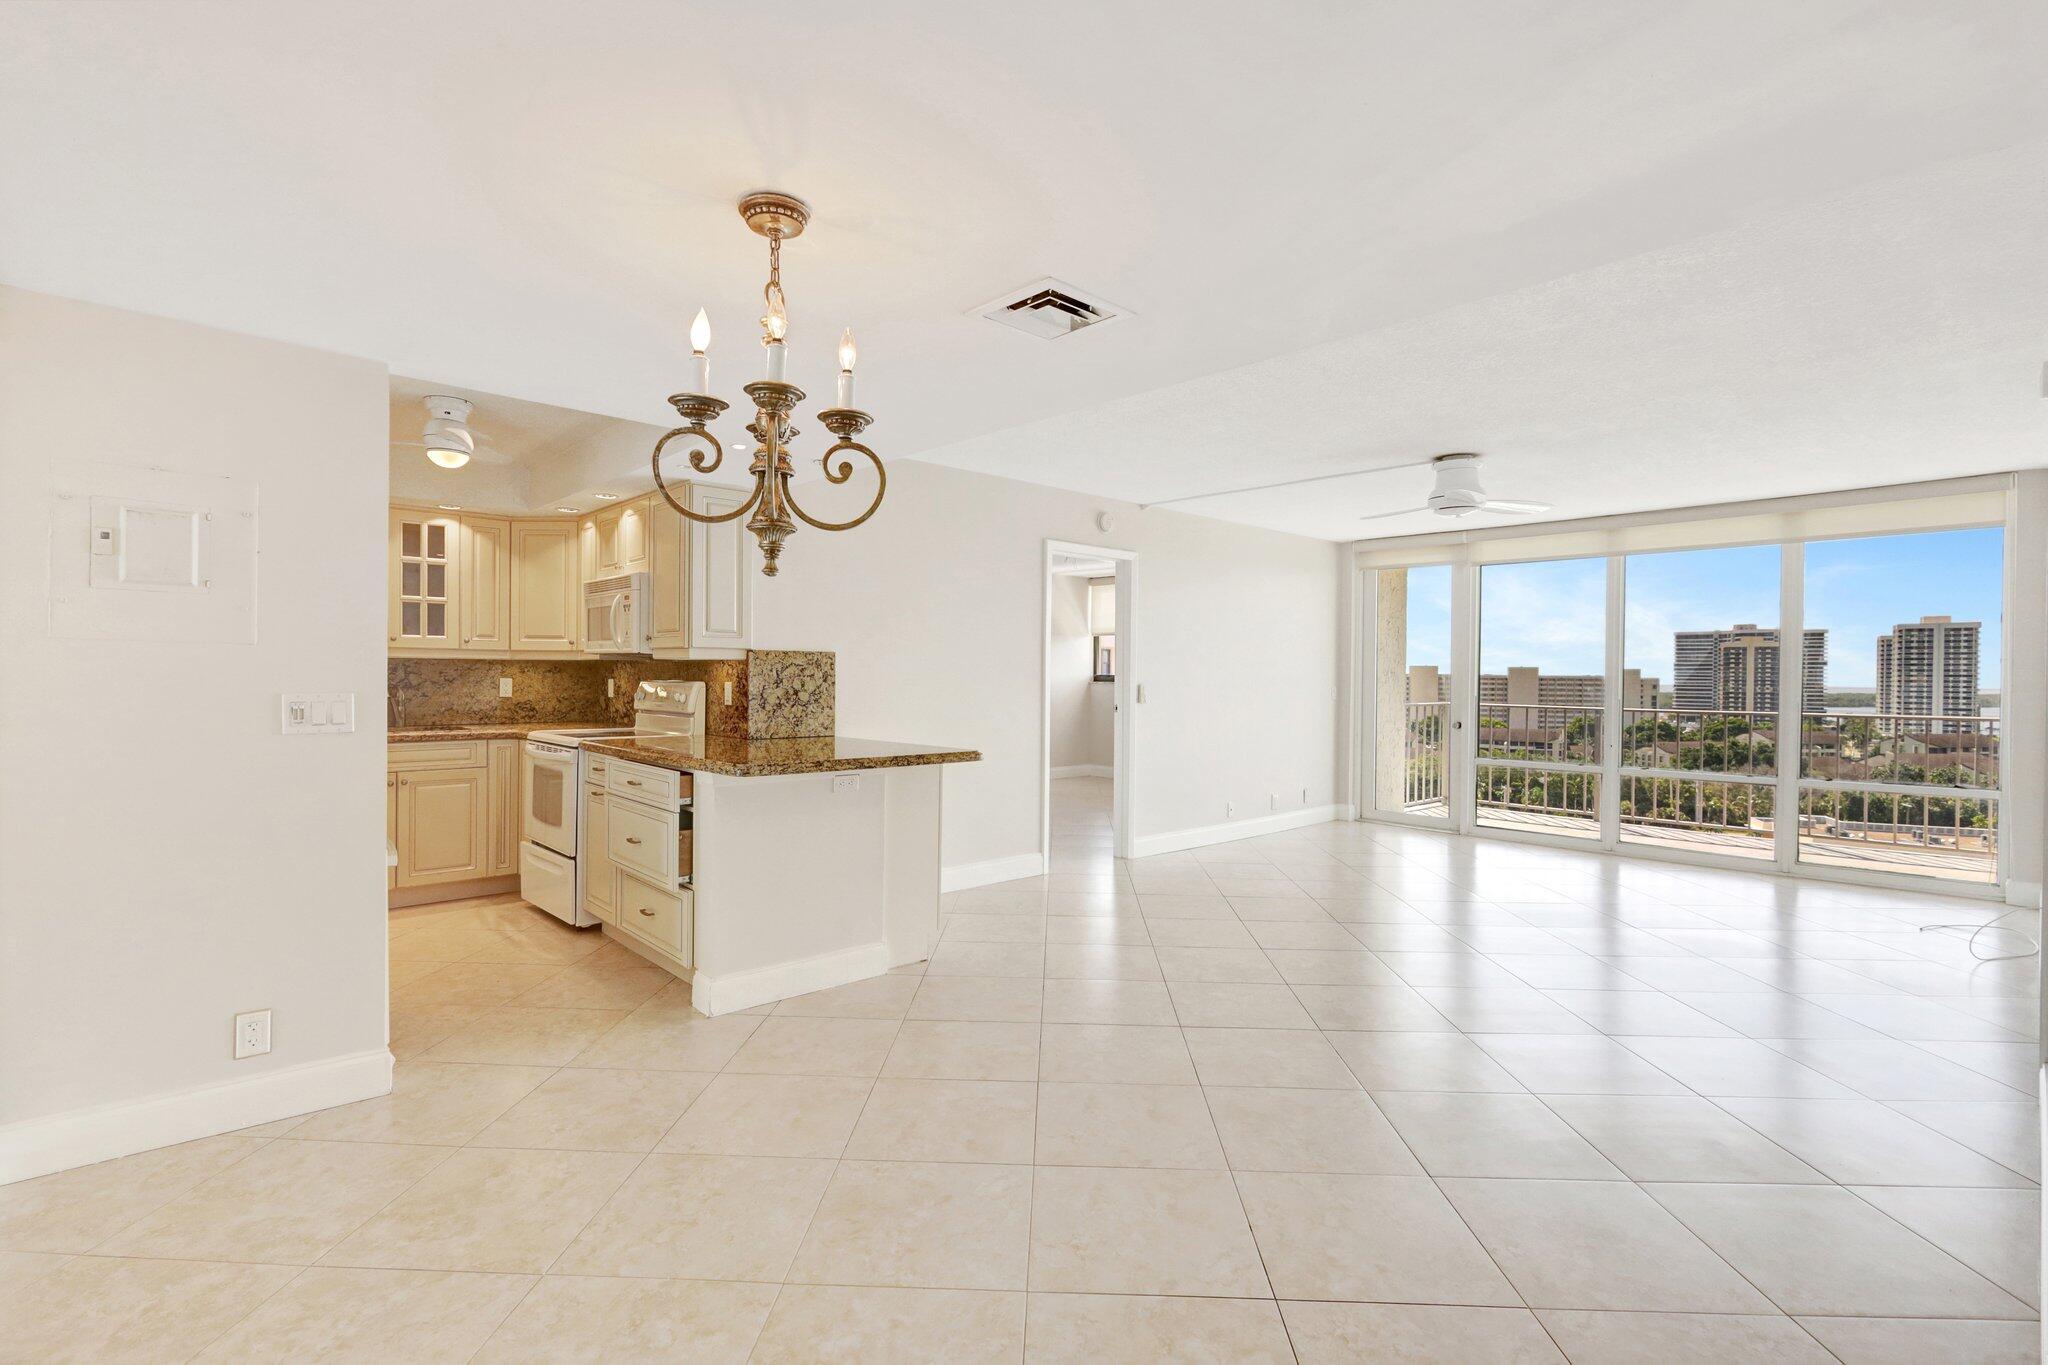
(429, 734)
(734, 756)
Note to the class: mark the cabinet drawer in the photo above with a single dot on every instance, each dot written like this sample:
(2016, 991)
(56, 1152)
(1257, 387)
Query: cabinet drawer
(594, 768)
(642, 840)
(638, 782)
(665, 920)
(454, 753)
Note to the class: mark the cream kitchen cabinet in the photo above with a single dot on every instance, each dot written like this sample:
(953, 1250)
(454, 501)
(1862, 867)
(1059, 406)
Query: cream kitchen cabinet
(505, 807)
(598, 894)
(426, 581)
(702, 578)
(614, 540)
(547, 592)
(486, 583)
(443, 826)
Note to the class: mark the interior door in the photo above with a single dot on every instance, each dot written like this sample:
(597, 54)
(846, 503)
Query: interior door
(1411, 720)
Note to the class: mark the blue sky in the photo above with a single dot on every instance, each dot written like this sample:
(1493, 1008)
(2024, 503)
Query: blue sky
(1552, 614)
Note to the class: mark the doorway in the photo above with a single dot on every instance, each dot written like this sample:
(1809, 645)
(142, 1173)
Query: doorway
(1086, 685)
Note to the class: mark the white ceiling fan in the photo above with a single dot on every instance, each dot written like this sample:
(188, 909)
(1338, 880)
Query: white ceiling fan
(446, 437)
(1458, 494)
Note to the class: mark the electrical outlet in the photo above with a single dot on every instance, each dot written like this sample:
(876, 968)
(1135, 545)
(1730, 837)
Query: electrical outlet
(1304, 796)
(846, 782)
(611, 687)
(252, 1034)
(1229, 810)
(728, 691)
(1272, 800)
(504, 687)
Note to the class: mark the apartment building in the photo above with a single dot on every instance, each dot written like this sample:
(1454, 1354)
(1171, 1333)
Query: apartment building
(1738, 670)
(1928, 668)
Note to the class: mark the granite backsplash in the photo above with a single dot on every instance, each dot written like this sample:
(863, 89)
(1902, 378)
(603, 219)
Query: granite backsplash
(776, 694)
(465, 691)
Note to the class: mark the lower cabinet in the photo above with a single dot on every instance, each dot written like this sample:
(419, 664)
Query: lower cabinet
(598, 889)
(664, 920)
(452, 810)
(505, 807)
(443, 826)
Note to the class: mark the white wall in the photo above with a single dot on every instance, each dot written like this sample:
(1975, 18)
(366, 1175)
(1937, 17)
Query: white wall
(1082, 709)
(167, 858)
(935, 610)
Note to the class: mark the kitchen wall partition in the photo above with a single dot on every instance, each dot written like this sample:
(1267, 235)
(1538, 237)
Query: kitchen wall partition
(1823, 687)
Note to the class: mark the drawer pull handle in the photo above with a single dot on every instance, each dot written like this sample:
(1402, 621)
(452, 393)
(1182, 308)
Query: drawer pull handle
(647, 912)
(632, 839)
(632, 781)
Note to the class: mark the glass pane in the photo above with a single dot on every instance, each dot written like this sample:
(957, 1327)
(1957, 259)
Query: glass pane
(1915, 626)
(409, 620)
(1538, 801)
(437, 580)
(409, 580)
(437, 540)
(1953, 838)
(1413, 689)
(1700, 654)
(437, 620)
(409, 538)
(1699, 814)
(1543, 660)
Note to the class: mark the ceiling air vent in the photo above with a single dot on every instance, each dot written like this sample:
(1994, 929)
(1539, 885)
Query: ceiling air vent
(1051, 309)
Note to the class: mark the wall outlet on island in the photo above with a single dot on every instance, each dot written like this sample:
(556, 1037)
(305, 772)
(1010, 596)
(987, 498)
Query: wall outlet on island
(504, 687)
(252, 1034)
(846, 782)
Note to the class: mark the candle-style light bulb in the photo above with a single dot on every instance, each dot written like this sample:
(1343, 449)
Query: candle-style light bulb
(774, 327)
(848, 353)
(700, 341)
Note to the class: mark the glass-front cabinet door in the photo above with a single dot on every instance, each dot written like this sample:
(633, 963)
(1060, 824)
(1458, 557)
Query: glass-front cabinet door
(424, 605)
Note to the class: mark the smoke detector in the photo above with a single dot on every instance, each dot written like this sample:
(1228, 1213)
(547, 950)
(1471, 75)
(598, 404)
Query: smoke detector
(1050, 309)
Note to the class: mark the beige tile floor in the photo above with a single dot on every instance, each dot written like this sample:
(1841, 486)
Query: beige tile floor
(1346, 1093)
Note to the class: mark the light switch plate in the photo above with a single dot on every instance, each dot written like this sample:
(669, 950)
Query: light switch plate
(317, 713)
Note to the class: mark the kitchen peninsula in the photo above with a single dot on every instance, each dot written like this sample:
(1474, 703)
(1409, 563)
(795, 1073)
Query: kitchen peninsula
(815, 859)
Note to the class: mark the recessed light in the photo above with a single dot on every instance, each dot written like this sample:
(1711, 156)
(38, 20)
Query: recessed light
(568, 509)
(606, 497)
(449, 506)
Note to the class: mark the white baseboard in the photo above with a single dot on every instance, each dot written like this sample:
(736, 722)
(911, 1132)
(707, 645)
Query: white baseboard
(744, 990)
(1084, 770)
(967, 876)
(82, 1136)
(1173, 841)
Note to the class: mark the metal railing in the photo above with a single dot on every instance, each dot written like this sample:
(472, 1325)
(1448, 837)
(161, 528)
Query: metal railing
(1540, 732)
(1674, 738)
(1422, 753)
(1900, 748)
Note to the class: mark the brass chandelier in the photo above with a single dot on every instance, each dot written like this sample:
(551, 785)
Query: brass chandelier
(777, 217)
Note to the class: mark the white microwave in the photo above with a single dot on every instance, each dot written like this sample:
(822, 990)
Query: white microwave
(615, 614)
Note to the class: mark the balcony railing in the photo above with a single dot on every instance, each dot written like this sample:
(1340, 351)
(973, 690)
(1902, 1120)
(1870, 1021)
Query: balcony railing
(1667, 738)
(1422, 755)
(1898, 748)
(1540, 733)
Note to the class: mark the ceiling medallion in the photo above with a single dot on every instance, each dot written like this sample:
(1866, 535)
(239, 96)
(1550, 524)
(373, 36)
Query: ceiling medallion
(776, 217)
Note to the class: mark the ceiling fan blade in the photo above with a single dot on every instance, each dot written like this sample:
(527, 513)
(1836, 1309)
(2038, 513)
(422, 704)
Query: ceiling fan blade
(1514, 507)
(1399, 512)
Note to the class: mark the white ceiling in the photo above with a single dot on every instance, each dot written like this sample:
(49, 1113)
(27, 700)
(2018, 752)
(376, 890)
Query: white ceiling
(1640, 255)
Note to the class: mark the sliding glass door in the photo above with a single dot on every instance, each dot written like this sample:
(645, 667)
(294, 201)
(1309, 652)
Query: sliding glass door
(1541, 706)
(1828, 703)
(1411, 629)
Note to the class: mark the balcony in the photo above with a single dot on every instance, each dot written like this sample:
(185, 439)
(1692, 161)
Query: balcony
(1890, 792)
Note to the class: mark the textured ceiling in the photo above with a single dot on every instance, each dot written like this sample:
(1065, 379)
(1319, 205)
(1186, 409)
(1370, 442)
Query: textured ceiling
(1638, 254)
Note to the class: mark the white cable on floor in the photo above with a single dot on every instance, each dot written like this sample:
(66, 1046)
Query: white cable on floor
(2034, 944)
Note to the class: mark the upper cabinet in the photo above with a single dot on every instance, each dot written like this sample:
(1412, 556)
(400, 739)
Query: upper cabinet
(703, 608)
(426, 581)
(615, 540)
(547, 593)
(506, 586)
(486, 583)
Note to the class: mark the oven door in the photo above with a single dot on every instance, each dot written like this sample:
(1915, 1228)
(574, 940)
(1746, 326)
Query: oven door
(551, 794)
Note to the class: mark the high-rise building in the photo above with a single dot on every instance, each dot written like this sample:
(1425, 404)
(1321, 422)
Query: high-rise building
(1738, 669)
(1529, 699)
(1928, 668)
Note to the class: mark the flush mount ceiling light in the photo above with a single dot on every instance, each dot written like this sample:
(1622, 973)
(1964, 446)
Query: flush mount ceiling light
(778, 217)
(446, 435)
